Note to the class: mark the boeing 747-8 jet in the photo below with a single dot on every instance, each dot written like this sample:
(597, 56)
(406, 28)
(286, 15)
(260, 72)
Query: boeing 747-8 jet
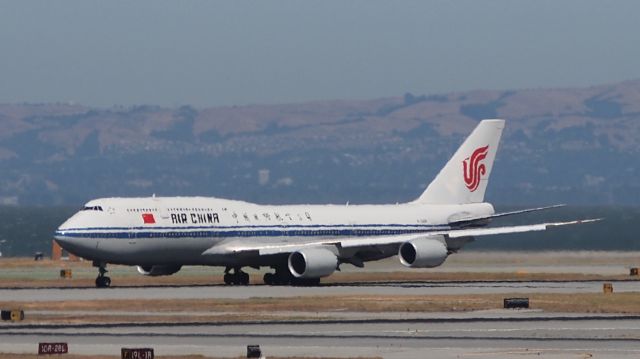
(302, 243)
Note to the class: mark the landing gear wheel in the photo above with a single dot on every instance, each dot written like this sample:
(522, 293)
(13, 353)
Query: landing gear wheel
(103, 282)
(305, 282)
(283, 276)
(237, 278)
(282, 280)
(269, 279)
(311, 282)
(243, 278)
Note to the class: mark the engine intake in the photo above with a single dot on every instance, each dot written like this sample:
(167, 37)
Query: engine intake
(158, 270)
(422, 253)
(312, 263)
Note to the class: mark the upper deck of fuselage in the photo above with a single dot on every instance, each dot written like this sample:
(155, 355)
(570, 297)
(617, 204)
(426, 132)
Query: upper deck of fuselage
(179, 212)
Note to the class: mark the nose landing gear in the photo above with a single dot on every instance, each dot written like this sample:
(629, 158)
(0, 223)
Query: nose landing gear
(102, 281)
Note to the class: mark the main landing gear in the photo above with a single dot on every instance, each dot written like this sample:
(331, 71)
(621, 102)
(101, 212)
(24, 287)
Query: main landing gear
(283, 276)
(102, 281)
(238, 277)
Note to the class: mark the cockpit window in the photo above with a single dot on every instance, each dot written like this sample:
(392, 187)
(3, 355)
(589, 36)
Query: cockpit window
(92, 208)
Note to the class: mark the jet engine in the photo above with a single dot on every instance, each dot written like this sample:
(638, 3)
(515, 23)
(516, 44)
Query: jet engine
(158, 270)
(312, 263)
(422, 253)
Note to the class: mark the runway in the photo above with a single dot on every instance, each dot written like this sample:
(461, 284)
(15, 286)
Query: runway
(344, 330)
(495, 333)
(379, 288)
(505, 334)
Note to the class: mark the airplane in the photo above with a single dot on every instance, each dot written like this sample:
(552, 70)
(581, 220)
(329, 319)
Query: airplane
(301, 243)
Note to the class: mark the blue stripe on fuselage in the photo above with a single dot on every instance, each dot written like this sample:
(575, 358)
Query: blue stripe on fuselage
(423, 226)
(221, 233)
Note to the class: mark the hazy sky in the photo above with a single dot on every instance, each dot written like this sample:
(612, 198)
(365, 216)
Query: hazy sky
(207, 53)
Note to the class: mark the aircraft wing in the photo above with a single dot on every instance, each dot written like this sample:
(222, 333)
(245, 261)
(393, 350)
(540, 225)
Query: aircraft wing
(283, 245)
(466, 221)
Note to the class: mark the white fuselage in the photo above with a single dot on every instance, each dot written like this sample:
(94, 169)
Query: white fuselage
(177, 230)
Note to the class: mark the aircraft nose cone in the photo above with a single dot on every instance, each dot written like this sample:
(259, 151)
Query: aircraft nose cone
(61, 238)
(71, 243)
(74, 237)
(65, 238)
(63, 232)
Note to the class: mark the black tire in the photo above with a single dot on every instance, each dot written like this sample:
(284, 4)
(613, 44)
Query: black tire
(314, 282)
(103, 282)
(305, 282)
(228, 279)
(281, 280)
(269, 279)
(243, 278)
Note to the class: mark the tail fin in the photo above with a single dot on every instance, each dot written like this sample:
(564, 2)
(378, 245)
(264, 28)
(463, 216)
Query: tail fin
(464, 178)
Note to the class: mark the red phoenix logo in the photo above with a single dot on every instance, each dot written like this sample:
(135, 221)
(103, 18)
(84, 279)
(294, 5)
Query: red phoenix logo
(473, 169)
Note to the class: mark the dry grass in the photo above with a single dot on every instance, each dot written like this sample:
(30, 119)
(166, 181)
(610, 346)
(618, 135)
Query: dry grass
(75, 356)
(285, 308)
(70, 318)
(45, 274)
(466, 277)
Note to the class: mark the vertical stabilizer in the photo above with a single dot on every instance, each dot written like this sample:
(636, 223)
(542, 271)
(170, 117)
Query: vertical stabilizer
(464, 178)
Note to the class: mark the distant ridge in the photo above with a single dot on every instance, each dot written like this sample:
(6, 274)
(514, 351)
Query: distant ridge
(571, 145)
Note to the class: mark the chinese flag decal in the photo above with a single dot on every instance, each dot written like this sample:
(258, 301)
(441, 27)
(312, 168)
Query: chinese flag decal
(148, 218)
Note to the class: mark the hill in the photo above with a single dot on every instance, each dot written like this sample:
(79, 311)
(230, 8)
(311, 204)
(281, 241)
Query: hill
(575, 145)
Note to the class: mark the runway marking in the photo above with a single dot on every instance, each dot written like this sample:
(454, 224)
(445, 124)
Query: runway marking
(325, 322)
(526, 351)
(490, 330)
(579, 351)
(49, 334)
(539, 283)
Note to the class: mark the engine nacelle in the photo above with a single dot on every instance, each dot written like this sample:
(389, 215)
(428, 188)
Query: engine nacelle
(312, 263)
(422, 253)
(158, 270)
